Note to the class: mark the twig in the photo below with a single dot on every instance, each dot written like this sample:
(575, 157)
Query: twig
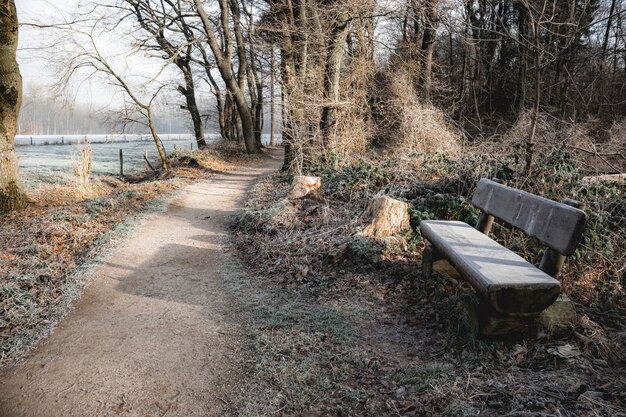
(166, 410)
(599, 155)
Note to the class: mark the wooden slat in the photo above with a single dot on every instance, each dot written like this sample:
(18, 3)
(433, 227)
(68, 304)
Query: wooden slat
(556, 225)
(510, 284)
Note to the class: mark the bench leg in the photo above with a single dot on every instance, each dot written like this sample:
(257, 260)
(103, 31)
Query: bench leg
(429, 257)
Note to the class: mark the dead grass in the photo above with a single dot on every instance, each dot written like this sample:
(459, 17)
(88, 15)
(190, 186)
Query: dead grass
(405, 124)
(398, 357)
(45, 245)
(46, 248)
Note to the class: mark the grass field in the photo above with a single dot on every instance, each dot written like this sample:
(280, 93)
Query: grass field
(54, 163)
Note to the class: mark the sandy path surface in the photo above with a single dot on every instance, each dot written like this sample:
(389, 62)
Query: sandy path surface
(154, 334)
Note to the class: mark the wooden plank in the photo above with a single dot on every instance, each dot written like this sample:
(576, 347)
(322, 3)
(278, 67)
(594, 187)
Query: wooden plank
(509, 283)
(556, 225)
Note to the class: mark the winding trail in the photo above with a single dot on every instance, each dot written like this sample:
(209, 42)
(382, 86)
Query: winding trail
(154, 334)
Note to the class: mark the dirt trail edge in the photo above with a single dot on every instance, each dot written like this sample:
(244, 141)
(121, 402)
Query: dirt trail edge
(154, 335)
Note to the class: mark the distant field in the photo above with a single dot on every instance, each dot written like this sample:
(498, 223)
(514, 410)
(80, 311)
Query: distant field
(54, 163)
(27, 140)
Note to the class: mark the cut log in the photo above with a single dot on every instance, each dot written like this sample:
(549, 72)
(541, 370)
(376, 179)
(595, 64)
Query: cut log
(443, 267)
(385, 217)
(306, 187)
(617, 178)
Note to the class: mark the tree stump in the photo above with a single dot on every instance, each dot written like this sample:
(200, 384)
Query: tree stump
(306, 187)
(385, 217)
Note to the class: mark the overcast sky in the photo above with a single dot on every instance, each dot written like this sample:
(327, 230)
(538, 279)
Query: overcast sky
(36, 69)
(32, 66)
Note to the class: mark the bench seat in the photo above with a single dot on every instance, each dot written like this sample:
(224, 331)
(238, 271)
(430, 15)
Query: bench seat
(510, 284)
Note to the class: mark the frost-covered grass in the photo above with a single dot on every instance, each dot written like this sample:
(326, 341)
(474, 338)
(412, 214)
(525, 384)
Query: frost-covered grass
(53, 164)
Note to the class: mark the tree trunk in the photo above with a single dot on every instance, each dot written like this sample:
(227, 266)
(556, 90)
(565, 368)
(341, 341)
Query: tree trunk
(11, 195)
(223, 59)
(157, 141)
(294, 56)
(272, 99)
(258, 116)
(229, 118)
(607, 32)
(332, 76)
(428, 47)
(530, 142)
(192, 107)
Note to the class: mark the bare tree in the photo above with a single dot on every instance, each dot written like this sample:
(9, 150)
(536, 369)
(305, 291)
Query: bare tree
(11, 195)
(86, 60)
(158, 20)
(431, 23)
(223, 54)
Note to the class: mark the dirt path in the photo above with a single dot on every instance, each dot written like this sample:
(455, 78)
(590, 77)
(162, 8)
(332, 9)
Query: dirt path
(154, 334)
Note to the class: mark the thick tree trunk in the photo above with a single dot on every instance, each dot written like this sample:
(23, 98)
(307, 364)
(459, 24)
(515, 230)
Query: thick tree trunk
(332, 76)
(11, 195)
(428, 47)
(294, 58)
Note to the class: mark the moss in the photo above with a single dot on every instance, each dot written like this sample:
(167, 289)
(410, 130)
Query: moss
(12, 198)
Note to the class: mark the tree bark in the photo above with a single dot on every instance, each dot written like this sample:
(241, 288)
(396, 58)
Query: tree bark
(12, 196)
(293, 59)
(428, 47)
(189, 93)
(332, 75)
(272, 99)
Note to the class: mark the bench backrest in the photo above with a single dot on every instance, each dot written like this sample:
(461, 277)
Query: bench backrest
(556, 225)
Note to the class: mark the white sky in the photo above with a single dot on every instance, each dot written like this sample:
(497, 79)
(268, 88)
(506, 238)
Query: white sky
(32, 66)
(35, 67)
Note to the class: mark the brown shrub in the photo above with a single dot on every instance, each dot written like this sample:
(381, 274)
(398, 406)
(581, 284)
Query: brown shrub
(406, 124)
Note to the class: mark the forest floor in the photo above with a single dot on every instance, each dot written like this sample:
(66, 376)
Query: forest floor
(182, 319)
(155, 332)
(358, 332)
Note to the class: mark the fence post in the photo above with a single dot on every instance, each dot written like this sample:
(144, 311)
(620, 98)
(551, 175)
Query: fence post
(121, 163)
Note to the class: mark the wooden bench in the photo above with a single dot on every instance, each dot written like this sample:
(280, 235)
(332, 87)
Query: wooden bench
(504, 281)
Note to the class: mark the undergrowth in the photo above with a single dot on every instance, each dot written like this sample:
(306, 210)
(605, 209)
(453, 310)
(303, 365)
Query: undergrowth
(439, 187)
(400, 358)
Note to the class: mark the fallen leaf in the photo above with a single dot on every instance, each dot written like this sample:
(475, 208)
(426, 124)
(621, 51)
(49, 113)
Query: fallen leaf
(566, 351)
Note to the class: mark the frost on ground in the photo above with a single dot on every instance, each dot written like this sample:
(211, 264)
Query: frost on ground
(357, 332)
(46, 248)
(52, 164)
